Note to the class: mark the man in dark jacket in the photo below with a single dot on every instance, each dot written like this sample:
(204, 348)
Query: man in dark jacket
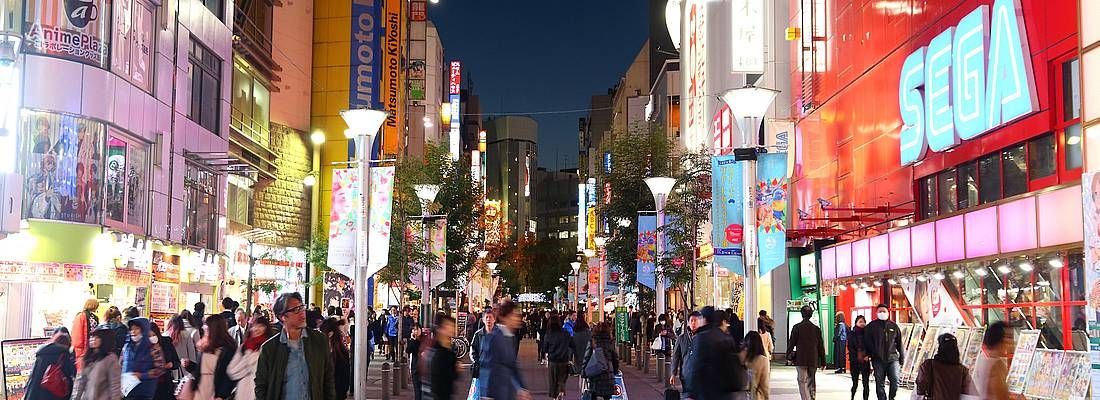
(294, 364)
(806, 349)
(635, 327)
(442, 361)
(714, 370)
(490, 322)
(682, 353)
(557, 349)
(882, 342)
(500, 377)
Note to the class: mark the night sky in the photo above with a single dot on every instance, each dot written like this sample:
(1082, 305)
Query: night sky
(528, 56)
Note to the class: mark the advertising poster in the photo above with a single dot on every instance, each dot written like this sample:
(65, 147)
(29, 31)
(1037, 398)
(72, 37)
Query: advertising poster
(973, 347)
(1075, 376)
(1090, 190)
(77, 30)
(367, 34)
(63, 168)
(339, 291)
(164, 298)
(492, 222)
(594, 273)
(344, 220)
(1043, 374)
(1026, 342)
(911, 347)
(438, 234)
(393, 76)
(647, 251)
(381, 213)
(771, 210)
(18, 357)
(727, 214)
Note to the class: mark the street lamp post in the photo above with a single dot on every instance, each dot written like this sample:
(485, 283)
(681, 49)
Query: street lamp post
(576, 283)
(493, 277)
(600, 243)
(363, 124)
(660, 187)
(749, 104)
(427, 194)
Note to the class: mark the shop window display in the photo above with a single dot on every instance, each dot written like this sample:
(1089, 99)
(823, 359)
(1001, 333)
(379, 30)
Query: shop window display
(126, 175)
(201, 194)
(62, 162)
(132, 47)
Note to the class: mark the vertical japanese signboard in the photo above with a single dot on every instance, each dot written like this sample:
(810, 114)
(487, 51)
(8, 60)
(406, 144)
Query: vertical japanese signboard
(727, 215)
(455, 86)
(392, 77)
(747, 36)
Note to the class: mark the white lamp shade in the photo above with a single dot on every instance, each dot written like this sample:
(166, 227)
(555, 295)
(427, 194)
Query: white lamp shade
(492, 267)
(576, 266)
(363, 121)
(749, 101)
(600, 241)
(672, 21)
(660, 186)
(589, 253)
(426, 193)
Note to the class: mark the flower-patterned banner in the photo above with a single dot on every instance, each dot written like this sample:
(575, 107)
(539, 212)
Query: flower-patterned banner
(344, 221)
(647, 250)
(771, 210)
(381, 213)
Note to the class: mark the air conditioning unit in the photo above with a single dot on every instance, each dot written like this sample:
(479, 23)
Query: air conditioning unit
(11, 202)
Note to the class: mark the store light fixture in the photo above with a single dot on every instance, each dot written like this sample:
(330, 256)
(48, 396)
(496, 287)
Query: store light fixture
(905, 279)
(892, 281)
(1056, 263)
(982, 271)
(1026, 266)
(922, 278)
(939, 276)
(878, 283)
(1043, 283)
(958, 274)
(1073, 140)
(1004, 269)
(317, 137)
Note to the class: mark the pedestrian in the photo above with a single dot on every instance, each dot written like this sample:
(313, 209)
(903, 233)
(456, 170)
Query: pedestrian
(239, 330)
(242, 368)
(200, 312)
(184, 337)
(601, 363)
(764, 322)
(166, 389)
(413, 343)
(294, 364)
(767, 341)
(570, 323)
(339, 355)
(557, 350)
(489, 321)
(582, 339)
(391, 334)
(806, 349)
(714, 369)
(53, 354)
(840, 343)
(114, 323)
(882, 342)
(635, 326)
(500, 377)
(860, 361)
(374, 326)
(229, 309)
(991, 368)
(100, 379)
(681, 354)
(650, 327)
(142, 362)
(942, 376)
(758, 364)
(440, 362)
(83, 324)
(663, 342)
(216, 351)
(736, 327)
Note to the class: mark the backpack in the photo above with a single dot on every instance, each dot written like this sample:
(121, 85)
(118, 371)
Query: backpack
(597, 364)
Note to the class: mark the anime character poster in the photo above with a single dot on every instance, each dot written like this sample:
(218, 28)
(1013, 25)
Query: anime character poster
(339, 291)
(63, 168)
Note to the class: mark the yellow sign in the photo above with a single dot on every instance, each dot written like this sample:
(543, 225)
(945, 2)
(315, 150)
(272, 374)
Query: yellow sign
(794, 33)
(591, 228)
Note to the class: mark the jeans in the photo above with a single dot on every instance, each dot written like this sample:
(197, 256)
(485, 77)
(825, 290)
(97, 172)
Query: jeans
(885, 370)
(861, 369)
(840, 349)
(807, 382)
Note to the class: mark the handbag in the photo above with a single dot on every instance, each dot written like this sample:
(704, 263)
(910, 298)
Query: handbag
(54, 379)
(657, 344)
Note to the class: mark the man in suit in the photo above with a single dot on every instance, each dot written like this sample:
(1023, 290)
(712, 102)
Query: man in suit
(806, 350)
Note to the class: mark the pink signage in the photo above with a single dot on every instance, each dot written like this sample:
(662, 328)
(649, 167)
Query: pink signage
(844, 260)
(861, 257)
(880, 253)
(981, 233)
(950, 245)
(1058, 223)
(1016, 223)
(899, 249)
(828, 263)
(923, 244)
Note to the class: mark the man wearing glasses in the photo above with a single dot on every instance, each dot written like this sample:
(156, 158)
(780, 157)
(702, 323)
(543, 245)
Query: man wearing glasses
(294, 364)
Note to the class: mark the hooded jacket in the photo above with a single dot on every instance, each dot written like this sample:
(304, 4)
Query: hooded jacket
(143, 358)
(45, 356)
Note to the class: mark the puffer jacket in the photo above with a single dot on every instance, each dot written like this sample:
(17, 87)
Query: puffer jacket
(145, 359)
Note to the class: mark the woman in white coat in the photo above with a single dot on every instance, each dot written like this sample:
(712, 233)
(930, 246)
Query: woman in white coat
(243, 366)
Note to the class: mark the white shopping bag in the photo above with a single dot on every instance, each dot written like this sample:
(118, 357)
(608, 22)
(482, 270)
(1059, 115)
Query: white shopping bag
(474, 395)
(620, 388)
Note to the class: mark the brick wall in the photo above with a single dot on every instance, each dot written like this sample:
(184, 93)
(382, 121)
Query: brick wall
(283, 205)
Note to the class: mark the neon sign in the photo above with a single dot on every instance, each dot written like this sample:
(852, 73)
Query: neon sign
(969, 80)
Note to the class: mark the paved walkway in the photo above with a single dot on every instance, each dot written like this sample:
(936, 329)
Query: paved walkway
(639, 385)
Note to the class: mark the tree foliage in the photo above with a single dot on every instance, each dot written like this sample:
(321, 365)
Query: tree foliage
(687, 210)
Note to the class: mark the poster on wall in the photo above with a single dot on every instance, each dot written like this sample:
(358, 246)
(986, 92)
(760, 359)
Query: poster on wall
(647, 251)
(1075, 372)
(1026, 343)
(771, 210)
(594, 274)
(344, 220)
(973, 347)
(62, 167)
(339, 291)
(727, 214)
(165, 298)
(77, 30)
(1090, 190)
(18, 357)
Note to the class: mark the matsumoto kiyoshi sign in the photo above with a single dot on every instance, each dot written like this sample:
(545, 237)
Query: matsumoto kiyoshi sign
(969, 80)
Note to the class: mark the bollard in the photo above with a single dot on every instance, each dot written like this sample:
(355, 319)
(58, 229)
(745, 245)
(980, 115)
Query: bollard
(638, 357)
(645, 361)
(387, 378)
(660, 367)
(404, 375)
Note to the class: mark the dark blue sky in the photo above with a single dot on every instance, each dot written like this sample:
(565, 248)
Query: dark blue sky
(542, 55)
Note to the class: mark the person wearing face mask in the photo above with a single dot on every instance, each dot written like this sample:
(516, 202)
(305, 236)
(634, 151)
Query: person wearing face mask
(142, 362)
(882, 344)
(860, 366)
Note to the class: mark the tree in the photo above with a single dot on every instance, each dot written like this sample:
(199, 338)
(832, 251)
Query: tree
(687, 209)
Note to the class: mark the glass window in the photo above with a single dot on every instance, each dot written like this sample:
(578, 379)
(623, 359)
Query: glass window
(127, 171)
(116, 178)
(11, 12)
(989, 178)
(217, 7)
(200, 199)
(62, 164)
(927, 187)
(1073, 158)
(1015, 170)
(1071, 90)
(968, 185)
(205, 86)
(948, 197)
(1076, 271)
(1040, 157)
(251, 105)
(239, 203)
(132, 48)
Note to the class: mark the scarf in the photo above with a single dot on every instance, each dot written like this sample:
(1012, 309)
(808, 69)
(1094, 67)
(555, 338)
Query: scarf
(254, 343)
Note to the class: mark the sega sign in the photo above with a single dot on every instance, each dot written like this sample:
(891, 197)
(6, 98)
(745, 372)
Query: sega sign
(970, 79)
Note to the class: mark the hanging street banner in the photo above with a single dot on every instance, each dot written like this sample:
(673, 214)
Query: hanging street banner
(344, 220)
(438, 234)
(381, 212)
(771, 210)
(647, 250)
(594, 274)
(367, 34)
(727, 214)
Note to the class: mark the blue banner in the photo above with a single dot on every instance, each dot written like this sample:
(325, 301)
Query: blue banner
(727, 214)
(367, 34)
(771, 210)
(647, 250)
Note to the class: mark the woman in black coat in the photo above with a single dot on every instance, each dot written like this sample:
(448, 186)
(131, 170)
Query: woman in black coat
(47, 355)
(602, 385)
(166, 389)
(339, 354)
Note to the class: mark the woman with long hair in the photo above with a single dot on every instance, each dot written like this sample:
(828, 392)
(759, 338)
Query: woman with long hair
(54, 352)
(339, 354)
(184, 337)
(165, 389)
(243, 366)
(101, 377)
(83, 324)
(113, 322)
(756, 361)
(861, 367)
(601, 384)
(217, 348)
(582, 339)
(942, 376)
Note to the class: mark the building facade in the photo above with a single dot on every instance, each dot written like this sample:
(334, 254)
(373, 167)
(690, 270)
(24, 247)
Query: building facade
(556, 204)
(512, 157)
